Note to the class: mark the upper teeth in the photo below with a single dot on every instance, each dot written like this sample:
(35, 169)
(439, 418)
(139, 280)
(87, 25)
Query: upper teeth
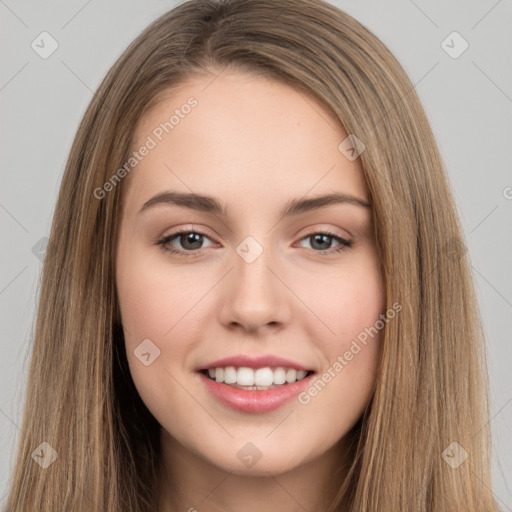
(244, 376)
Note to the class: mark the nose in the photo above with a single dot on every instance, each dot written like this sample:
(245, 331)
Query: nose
(255, 297)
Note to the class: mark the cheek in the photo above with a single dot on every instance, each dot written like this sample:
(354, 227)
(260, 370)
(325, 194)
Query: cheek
(154, 307)
(151, 300)
(351, 309)
(159, 306)
(348, 301)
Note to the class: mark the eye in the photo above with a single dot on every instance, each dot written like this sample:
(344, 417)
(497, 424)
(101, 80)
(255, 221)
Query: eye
(321, 240)
(190, 240)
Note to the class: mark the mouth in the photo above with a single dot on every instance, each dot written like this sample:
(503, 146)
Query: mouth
(254, 390)
(254, 383)
(256, 379)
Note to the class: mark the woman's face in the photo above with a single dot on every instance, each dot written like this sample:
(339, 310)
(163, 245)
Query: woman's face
(271, 282)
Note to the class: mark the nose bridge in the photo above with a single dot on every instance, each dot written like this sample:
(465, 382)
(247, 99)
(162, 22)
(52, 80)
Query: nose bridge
(255, 296)
(252, 262)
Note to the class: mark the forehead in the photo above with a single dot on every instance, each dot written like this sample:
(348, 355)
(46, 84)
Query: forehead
(239, 133)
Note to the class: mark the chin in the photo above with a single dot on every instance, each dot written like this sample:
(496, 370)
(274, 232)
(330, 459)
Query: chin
(249, 460)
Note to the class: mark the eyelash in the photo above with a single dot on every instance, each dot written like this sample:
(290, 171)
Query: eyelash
(162, 242)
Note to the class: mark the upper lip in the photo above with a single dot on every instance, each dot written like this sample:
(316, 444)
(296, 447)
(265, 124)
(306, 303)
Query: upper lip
(255, 362)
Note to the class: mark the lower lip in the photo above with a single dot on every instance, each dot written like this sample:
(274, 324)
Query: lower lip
(253, 400)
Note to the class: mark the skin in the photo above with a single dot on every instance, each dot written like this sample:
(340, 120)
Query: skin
(254, 144)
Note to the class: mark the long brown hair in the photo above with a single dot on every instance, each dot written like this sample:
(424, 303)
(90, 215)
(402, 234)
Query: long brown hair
(431, 386)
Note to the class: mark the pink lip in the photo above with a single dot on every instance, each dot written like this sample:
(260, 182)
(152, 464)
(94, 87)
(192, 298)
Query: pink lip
(254, 401)
(255, 362)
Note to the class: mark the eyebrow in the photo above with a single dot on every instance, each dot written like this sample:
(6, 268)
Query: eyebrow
(209, 204)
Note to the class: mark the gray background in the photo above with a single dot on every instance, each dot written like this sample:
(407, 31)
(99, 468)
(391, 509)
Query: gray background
(467, 99)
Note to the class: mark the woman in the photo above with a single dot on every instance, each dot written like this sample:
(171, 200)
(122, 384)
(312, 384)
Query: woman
(217, 377)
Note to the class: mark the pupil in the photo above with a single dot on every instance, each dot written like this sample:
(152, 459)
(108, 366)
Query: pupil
(189, 238)
(324, 237)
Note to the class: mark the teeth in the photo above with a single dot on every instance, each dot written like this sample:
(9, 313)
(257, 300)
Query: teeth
(279, 376)
(230, 375)
(291, 375)
(261, 377)
(244, 377)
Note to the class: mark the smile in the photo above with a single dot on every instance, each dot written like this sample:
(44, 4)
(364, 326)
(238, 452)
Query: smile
(254, 383)
(255, 378)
